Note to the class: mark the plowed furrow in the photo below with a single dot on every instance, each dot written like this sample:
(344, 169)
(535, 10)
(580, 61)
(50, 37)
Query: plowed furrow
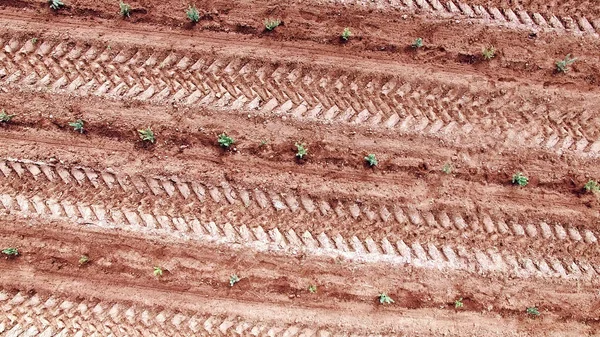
(403, 103)
(434, 223)
(102, 295)
(24, 314)
(254, 207)
(514, 17)
(319, 243)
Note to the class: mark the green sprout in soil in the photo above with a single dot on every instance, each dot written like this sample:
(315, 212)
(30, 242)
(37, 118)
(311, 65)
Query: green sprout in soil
(533, 311)
(55, 4)
(447, 168)
(192, 14)
(233, 279)
(124, 9)
(488, 53)
(346, 34)
(519, 179)
(312, 288)
(371, 160)
(418, 43)
(385, 299)
(592, 186)
(147, 135)
(158, 271)
(225, 141)
(84, 259)
(10, 252)
(562, 66)
(458, 303)
(4, 117)
(34, 40)
(301, 150)
(271, 24)
(77, 125)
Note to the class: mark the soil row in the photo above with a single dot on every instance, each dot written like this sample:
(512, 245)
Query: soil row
(444, 198)
(519, 55)
(308, 93)
(51, 250)
(565, 18)
(367, 199)
(336, 151)
(163, 11)
(434, 230)
(89, 205)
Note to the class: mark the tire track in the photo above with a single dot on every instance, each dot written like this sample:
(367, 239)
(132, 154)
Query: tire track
(303, 92)
(254, 205)
(30, 313)
(506, 17)
(522, 16)
(26, 315)
(368, 250)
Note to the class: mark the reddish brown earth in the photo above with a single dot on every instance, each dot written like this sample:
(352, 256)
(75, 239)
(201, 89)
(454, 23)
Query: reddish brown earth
(405, 227)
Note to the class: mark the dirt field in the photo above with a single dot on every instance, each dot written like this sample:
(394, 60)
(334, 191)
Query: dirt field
(437, 224)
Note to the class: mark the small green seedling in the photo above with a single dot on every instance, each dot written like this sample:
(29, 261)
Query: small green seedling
(371, 160)
(447, 168)
(458, 303)
(385, 299)
(124, 9)
(10, 252)
(263, 142)
(488, 53)
(34, 40)
(192, 14)
(346, 34)
(592, 186)
(301, 150)
(225, 141)
(77, 125)
(418, 43)
(4, 117)
(158, 271)
(55, 4)
(147, 135)
(562, 66)
(84, 259)
(233, 279)
(519, 179)
(312, 288)
(533, 311)
(271, 24)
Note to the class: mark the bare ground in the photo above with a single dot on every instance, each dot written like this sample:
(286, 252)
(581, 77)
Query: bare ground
(405, 227)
